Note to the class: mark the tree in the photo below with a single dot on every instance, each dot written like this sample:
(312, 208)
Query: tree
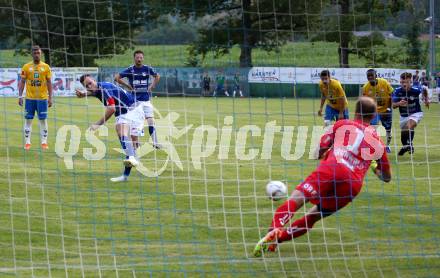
(249, 24)
(72, 33)
(341, 17)
(416, 55)
(372, 48)
(168, 30)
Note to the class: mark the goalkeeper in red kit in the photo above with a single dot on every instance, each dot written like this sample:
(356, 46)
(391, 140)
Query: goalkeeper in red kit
(347, 151)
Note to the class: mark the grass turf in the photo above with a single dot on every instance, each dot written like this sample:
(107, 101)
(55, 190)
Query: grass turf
(205, 222)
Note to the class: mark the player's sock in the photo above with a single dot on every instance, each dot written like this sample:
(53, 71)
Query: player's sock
(127, 145)
(43, 131)
(27, 131)
(283, 214)
(233, 94)
(404, 137)
(226, 93)
(388, 137)
(411, 137)
(241, 93)
(299, 227)
(152, 132)
(127, 169)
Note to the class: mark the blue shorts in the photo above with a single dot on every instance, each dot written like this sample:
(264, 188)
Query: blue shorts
(220, 88)
(385, 118)
(38, 105)
(332, 114)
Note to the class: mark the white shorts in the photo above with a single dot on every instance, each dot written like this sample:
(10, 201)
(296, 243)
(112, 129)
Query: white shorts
(416, 117)
(134, 118)
(148, 109)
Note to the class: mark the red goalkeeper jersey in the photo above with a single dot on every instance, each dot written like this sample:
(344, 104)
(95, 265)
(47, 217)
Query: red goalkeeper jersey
(352, 146)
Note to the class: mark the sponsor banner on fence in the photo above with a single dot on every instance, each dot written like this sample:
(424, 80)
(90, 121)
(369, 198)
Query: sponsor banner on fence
(63, 80)
(189, 80)
(311, 75)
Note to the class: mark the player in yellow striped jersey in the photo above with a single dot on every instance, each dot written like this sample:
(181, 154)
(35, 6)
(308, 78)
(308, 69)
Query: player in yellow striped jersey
(381, 91)
(332, 91)
(36, 75)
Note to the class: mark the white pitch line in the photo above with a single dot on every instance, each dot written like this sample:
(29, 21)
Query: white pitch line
(207, 262)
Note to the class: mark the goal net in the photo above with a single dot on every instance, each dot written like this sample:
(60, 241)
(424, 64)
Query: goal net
(236, 107)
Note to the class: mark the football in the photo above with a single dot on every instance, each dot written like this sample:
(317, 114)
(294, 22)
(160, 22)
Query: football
(78, 86)
(276, 190)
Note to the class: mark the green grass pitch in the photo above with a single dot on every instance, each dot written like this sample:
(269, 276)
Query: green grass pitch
(204, 222)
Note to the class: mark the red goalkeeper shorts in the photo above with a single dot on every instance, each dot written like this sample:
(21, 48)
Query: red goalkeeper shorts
(331, 188)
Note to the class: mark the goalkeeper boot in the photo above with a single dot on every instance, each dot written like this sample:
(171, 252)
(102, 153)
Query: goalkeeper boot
(44, 146)
(27, 147)
(268, 242)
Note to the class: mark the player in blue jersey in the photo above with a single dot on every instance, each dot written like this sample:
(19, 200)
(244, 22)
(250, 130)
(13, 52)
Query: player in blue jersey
(407, 99)
(129, 116)
(138, 77)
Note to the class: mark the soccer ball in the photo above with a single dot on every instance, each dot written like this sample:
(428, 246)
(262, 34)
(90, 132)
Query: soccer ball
(276, 190)
(78, 86)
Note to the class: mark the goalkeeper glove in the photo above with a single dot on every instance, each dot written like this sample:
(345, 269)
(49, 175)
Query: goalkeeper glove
(373, 166)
